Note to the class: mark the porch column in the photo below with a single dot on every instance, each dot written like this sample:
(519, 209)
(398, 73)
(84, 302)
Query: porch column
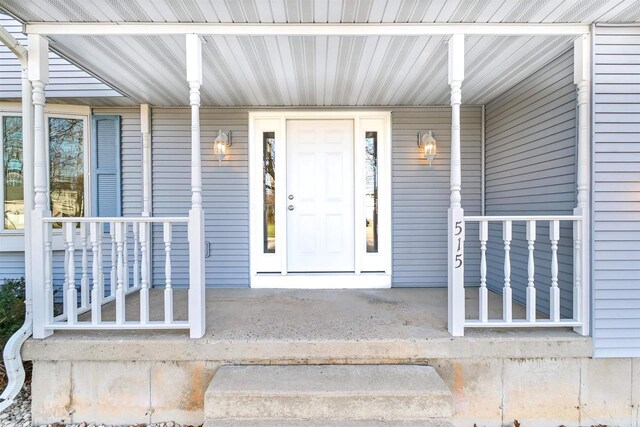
(38, 58)
(145, 128)
(27, 180)
(455, 245)
(582, 79)
(147, 209)
(196, 214)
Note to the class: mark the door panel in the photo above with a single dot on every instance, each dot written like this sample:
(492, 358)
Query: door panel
(320, 177)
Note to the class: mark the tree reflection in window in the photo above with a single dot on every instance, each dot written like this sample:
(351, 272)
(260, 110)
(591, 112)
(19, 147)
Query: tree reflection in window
(371, 189)
(269, 191)
(13, 179)
(66, 167)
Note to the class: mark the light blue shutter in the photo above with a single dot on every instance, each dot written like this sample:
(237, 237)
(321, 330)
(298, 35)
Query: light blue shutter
(105, 161)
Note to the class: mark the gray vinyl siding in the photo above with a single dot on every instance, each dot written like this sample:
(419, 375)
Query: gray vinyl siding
(420, 195)
(530, 170)
(66, 80)
(11, 265)
(225, 193)
(616, 192)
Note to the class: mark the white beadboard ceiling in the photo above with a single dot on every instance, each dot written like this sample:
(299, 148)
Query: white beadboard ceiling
(310, 71)
(314, 71)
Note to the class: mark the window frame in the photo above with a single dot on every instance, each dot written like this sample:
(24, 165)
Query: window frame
(86, 156)
(13, 240)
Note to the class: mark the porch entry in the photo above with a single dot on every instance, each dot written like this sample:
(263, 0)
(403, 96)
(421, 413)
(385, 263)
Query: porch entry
(320, 210)
(320, 199)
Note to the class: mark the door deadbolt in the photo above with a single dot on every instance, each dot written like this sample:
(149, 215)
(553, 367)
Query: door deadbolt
(290, 196)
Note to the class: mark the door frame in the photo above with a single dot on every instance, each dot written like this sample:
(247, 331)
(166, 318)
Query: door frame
(269, 270)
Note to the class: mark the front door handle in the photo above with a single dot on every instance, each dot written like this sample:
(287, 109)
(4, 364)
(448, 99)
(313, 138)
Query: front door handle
(290, 207)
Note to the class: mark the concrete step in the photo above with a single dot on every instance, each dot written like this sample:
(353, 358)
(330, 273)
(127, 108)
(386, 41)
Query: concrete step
(327, 392)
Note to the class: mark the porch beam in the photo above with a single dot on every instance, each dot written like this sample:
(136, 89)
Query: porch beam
(456, 224)
(311, 29)
(582, 79)
(196, 214)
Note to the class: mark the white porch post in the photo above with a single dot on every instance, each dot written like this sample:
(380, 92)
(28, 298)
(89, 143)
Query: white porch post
(39, 77)
(456, 214)
(27, 180)
(582, 79)
(145, 128)
(196, 214)
(147, 209)
(27, 176)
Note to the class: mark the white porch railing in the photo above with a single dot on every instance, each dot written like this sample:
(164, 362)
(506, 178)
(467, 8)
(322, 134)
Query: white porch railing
(105, 261)
(125, 276)
(531, 318)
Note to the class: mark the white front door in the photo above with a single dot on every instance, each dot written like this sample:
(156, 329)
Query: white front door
(320, 196)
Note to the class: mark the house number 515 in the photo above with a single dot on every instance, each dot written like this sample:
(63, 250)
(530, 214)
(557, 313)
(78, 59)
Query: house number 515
(458, 259)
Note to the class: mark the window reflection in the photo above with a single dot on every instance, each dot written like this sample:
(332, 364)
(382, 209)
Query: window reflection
(66, 167)
(269, 191)
(371, 190)
(13, 178)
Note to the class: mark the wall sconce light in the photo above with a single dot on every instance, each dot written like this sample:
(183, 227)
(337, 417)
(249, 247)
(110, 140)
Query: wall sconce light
(427, 142)
(220, 145)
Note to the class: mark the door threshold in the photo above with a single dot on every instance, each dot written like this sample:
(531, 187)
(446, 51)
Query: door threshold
(321, 281)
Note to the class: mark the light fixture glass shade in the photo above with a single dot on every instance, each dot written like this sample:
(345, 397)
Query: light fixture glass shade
(428, 142)
(220, 146)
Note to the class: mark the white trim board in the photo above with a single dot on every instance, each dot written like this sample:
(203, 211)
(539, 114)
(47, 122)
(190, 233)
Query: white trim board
(15, 108)
(310, 29)
(274, 265)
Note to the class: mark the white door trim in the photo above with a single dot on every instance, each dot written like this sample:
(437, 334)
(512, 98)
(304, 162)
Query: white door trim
(372, 270)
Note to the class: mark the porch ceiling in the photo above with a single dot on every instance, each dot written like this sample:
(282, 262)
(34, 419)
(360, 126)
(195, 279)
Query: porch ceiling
(323, 71)
(310, 71)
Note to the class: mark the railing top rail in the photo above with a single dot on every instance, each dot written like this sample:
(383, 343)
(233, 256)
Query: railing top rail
(523, 218)
(65, 219)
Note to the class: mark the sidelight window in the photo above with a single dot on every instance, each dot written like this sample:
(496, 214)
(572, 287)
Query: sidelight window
(371, 190)
(269, 191)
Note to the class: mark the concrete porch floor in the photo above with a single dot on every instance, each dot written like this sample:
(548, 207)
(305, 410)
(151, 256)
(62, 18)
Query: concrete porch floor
(317, 326)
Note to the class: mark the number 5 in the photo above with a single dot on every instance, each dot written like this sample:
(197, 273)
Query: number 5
(458, 228)
(459, 260)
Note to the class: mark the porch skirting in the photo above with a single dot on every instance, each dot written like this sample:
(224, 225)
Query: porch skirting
(486, 391)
